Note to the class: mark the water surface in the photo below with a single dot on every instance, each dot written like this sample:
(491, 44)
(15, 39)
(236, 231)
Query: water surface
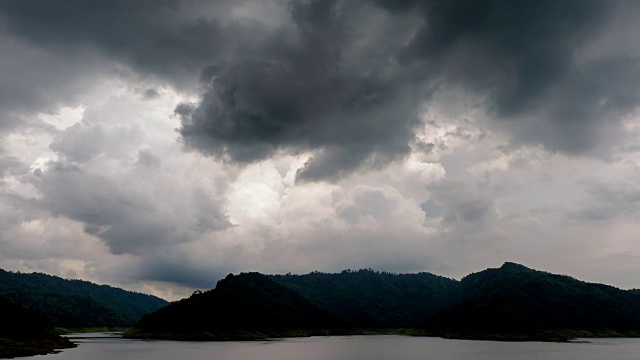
(101, 346)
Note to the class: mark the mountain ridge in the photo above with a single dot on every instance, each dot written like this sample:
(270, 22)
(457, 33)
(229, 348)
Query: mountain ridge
(384, 300)
(512, 302)
(240, 307)
(515, 302)
(26, 332)
(73, 303)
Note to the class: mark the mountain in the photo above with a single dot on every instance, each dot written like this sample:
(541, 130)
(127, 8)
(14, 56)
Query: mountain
(245, 306)
(76, 303)
(514, 302)
(26, 332)
(371, 299)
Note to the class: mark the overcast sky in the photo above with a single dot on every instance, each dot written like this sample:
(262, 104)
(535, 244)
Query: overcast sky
(158, 145)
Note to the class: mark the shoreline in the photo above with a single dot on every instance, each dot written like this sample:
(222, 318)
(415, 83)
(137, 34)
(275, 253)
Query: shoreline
(252, 335)
(558, 336)
(11, 347)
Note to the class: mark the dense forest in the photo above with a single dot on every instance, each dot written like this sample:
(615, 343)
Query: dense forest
(512, 302)
(253, 305)
(25, 332)
(370, 299)
(76, 303)
(244, 306)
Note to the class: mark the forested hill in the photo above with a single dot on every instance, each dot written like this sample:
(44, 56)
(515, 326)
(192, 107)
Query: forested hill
(244, 306)
(25, 332)
(371, 299)
(253, 305)
(76, 303)
(514, 302)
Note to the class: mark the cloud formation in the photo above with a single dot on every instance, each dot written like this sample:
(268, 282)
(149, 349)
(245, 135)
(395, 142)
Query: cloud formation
(161, 144)
(535, 63)
(346, 80)
(315, 84)
(322, 85)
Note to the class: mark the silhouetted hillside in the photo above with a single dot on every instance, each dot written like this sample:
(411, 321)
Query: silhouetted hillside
(509, 303)
(370, 299)
(25, 332)
(244, 306)
(515, 302)
(77, 303)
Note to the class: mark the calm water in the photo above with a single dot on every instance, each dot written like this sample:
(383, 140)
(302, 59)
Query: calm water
(105, 346)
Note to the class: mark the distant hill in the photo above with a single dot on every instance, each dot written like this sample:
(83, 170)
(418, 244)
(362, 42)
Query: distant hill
(244, 306)
(371, 299)
(76, 303)
(26, 332)
(514, 302)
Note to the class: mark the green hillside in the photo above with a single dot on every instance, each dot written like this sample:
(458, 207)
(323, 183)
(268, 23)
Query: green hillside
(514, 302)
(25, 332)
(77, 303)
(244, 306)
(370, 299)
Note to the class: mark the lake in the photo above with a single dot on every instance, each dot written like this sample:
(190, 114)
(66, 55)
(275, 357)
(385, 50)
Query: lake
(101, 346)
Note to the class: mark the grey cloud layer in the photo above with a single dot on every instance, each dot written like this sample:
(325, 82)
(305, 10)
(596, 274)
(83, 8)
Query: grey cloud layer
(525, 58)
(609, 201)
(297, 89)
(347, 82)
(154, 36)
(345, 79)
(128, 219)
(529, 60)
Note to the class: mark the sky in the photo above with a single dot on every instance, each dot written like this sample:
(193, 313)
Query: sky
(158, 145)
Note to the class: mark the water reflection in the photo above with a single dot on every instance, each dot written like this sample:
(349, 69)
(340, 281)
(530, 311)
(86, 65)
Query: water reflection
(110, 346)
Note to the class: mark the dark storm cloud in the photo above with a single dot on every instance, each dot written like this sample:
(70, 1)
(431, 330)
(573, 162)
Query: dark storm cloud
(38, 80)
(181, 271)
(155, 37)
(525, 56)
(295, 90)
(345, 79)
(52, 51)
(44, 61)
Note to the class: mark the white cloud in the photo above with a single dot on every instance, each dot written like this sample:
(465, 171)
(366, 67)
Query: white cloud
(95, 182)
(125, 166)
